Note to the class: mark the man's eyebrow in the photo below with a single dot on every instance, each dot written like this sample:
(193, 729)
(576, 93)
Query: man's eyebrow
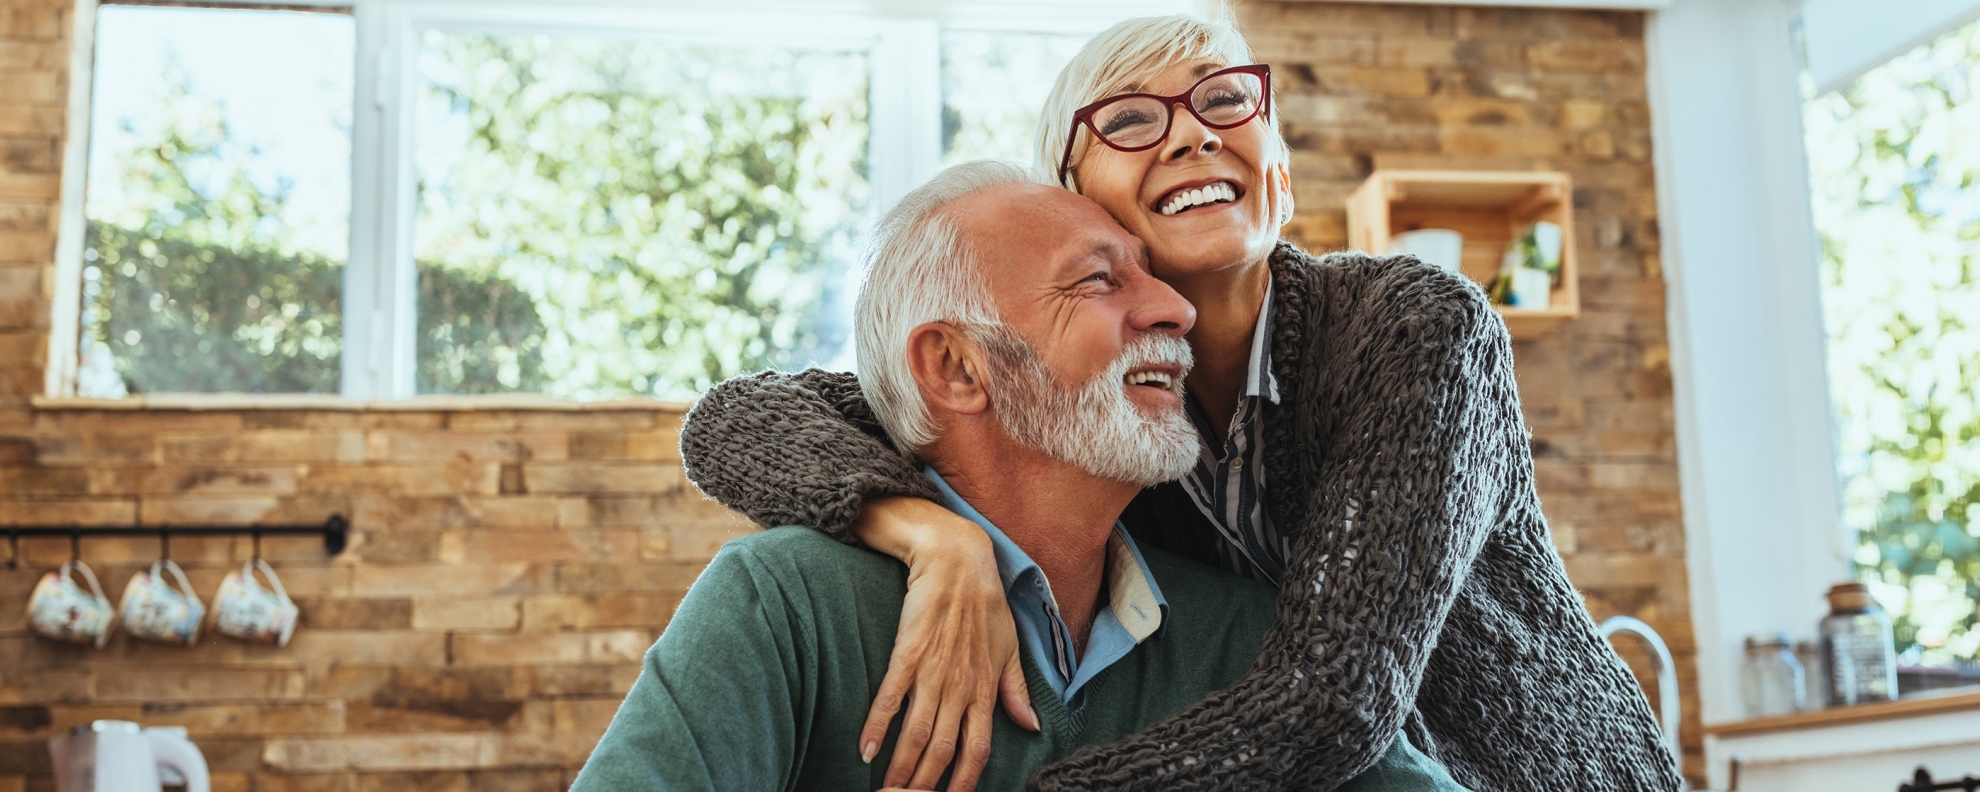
(1106, 250)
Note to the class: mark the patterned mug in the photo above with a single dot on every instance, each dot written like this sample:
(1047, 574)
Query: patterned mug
(62, 610)
(155, 611)
(245, 610)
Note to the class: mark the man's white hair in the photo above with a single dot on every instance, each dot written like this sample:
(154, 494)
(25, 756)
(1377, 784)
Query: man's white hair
(919, 270)
(1124, 55)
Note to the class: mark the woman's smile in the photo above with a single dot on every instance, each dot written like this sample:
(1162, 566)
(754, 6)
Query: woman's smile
(1198, 195)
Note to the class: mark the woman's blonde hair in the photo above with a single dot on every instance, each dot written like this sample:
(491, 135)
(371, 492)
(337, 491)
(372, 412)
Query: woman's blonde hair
(1119, 57)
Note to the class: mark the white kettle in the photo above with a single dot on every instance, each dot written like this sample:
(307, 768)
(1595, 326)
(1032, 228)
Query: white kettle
(121, 756)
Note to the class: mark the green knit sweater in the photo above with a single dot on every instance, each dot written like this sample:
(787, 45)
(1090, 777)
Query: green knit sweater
(763, 677)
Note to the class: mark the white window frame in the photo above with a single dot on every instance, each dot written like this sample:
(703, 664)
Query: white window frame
(380, 292)
(1756, 435)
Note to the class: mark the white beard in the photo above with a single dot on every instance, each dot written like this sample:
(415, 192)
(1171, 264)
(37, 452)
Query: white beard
(1094, 427)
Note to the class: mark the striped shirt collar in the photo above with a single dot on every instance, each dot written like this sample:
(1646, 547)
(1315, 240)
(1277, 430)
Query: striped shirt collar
(1228, 480)
(1258, 377)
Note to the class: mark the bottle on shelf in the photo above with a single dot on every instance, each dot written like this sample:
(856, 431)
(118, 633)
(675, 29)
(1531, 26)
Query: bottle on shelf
(1815, 693)
(1858, 649)
(1771, 679)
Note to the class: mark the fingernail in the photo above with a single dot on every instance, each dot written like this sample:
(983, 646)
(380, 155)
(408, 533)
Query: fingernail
(867, 751)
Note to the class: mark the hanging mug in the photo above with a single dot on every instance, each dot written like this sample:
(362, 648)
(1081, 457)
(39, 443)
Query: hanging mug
(245, 610)
(155, 611)
(62, 610)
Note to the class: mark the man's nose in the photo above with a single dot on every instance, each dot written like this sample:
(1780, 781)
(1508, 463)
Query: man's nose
(1160, 309)
(1187, 135)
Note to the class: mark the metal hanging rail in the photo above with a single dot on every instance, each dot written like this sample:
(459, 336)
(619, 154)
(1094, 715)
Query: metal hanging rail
(1922, 782)
(335, 531)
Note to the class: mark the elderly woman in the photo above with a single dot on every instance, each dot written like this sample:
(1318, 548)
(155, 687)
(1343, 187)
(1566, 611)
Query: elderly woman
(1362, 449)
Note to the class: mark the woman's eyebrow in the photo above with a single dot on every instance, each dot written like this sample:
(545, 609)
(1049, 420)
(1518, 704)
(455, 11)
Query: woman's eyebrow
(1135, 87)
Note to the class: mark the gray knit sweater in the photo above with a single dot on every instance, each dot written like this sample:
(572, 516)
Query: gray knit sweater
(1422, 591)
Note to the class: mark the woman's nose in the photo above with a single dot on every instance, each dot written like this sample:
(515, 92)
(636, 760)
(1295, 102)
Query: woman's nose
(1188, 135)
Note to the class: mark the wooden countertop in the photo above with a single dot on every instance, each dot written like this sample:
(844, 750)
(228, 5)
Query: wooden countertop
(1952, 700)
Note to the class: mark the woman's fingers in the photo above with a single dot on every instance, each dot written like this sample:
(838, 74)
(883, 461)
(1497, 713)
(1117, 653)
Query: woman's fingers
(942, 744)
(917, 731)
(887, 704)
(977, 724)
(1016, 696)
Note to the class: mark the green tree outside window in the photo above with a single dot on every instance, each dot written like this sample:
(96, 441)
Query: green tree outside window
(1895, 158)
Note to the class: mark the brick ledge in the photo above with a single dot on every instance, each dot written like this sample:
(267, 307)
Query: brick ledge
(198, 402)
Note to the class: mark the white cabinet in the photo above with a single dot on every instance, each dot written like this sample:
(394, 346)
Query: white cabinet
(1870, 748)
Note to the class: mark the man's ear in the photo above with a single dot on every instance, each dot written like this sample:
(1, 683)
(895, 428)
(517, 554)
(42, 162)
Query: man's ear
(948, 367)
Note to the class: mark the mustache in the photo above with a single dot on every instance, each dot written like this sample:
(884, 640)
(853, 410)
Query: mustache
(1150, 351)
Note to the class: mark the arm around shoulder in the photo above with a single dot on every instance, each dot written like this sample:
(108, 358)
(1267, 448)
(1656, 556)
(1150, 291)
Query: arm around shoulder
(795, 449)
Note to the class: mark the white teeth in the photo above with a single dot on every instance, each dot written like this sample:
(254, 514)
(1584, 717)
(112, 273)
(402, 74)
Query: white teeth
(1221, 192)
(1160, 379)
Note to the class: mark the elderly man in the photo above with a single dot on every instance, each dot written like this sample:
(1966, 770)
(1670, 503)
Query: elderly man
(1010, 335)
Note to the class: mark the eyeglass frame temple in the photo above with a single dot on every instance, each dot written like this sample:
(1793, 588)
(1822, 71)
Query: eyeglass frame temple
(1084, 115)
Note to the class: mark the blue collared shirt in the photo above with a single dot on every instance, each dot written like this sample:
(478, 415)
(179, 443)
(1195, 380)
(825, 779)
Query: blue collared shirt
(1133, 610)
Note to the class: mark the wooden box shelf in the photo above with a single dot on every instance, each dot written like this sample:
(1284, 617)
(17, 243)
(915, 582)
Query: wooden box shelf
(1489, 208)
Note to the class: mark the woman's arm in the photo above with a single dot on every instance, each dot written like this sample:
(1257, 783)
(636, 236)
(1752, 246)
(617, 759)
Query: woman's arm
(805, 449)
(795, 449)
(1423, 427)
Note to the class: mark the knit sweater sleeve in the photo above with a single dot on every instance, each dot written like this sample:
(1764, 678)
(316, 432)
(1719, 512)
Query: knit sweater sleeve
(1410, 429)
(795, 449)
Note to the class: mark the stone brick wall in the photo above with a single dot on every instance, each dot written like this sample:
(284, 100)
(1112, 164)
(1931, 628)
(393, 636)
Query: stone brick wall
(1365, 86)
(510, 563)
(508, 571)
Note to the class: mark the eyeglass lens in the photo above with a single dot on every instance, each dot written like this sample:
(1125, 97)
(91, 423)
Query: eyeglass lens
(1222, 100)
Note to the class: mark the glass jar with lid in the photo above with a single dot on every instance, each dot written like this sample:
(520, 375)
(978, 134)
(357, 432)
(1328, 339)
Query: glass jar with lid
(1858, 649)
(1771, 678)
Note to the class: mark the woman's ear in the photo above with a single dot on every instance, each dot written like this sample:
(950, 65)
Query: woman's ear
(1282, 180)
(948, 367)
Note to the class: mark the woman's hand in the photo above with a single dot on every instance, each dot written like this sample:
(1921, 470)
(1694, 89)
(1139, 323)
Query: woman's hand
(957, 650)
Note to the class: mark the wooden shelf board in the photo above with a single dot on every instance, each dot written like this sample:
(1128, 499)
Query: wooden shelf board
(1526, 324)
(1960, 699)
(1469, 189)
(1488, 208)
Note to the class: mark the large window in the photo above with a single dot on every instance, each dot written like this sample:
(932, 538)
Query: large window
(452, 198)
(218, 203)
(1896, 166)
(601, 217)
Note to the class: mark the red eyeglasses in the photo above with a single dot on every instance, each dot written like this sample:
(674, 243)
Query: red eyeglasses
(1139, 121)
